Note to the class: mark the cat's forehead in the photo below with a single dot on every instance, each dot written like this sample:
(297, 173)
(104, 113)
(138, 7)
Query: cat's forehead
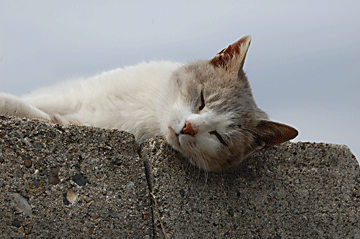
(221, 95)
(202, 76)
(203, 73)
(195, 72)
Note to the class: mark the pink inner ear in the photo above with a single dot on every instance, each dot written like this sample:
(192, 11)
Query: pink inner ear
(224, 56)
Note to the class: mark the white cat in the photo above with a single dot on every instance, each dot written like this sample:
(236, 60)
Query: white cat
(204, 109)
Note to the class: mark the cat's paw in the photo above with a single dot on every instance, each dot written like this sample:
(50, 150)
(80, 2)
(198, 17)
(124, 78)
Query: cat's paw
(8, 104)
(11, 105)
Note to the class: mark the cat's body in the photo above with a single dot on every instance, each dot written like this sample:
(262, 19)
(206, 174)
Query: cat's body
(118, 99)
(204, 109)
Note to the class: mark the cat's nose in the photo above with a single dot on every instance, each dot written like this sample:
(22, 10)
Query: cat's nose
(188, 129)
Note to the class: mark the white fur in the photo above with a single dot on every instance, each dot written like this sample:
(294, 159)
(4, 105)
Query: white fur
(124, 99)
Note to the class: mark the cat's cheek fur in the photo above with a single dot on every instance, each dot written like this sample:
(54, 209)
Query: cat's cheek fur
(209, 144)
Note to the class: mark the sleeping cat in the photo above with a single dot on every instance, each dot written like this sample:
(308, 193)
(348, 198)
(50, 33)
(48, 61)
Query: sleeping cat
(204, 109)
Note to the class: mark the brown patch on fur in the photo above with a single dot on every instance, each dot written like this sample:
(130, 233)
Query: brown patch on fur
(225, 55)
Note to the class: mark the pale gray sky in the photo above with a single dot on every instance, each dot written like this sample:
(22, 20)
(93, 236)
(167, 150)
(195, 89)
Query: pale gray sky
(303, 63)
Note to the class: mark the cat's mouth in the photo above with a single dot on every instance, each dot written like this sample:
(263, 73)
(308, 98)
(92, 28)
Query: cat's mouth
(184, 140)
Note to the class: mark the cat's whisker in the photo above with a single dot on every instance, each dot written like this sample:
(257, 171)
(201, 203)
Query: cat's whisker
(206, 173)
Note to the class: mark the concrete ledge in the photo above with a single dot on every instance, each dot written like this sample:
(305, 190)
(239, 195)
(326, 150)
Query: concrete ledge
(81, 182)
(302, 190)
(71, 182)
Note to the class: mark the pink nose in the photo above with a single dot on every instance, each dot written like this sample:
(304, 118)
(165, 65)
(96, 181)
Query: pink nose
(188, 129)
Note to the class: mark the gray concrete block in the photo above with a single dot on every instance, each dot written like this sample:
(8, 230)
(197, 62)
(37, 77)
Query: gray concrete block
(82, 182)
(71, 182)
(302, 190)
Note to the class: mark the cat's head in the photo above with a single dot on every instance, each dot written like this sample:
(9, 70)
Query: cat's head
(210, 114)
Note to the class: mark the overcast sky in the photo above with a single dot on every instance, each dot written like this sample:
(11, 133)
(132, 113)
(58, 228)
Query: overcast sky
(303, 63)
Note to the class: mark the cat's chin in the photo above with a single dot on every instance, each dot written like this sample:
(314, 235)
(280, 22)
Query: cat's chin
(197, 153)
(179, 141)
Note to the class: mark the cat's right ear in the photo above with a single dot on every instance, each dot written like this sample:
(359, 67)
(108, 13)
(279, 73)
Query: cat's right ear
(268, 133)
(232, 58)
(271, 133)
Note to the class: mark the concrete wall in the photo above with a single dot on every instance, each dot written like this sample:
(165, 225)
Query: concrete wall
(81, 182)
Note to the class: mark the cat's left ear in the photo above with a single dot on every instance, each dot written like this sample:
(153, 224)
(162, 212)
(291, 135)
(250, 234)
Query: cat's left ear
(271, 133)
(233, 57)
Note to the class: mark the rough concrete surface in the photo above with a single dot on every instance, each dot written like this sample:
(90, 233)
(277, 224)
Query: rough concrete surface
(83, 182)
(71, 182)
(302, 190)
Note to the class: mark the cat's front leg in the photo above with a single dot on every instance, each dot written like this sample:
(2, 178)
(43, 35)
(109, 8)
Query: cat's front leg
(11, 105)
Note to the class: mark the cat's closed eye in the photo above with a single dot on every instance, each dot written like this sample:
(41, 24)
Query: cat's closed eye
(218, 136)
(202, 101)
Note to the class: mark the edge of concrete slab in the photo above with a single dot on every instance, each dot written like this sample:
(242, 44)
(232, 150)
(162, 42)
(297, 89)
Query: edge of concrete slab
(87, 182)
